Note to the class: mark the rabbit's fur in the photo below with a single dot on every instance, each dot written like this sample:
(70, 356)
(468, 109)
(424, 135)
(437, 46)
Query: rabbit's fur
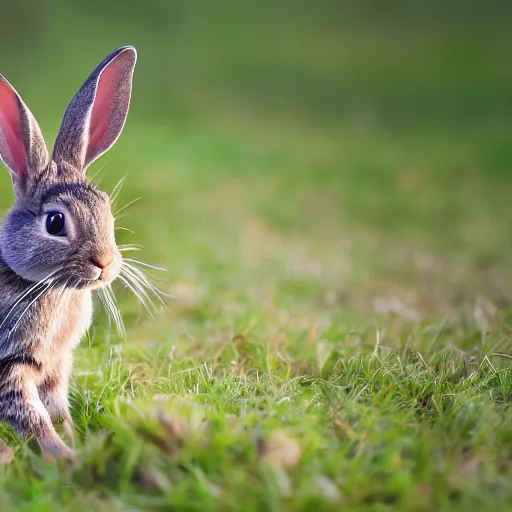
(46, 281)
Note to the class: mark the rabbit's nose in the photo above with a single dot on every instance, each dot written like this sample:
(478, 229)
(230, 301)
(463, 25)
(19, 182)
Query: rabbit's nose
(107, 265)
(102, 261)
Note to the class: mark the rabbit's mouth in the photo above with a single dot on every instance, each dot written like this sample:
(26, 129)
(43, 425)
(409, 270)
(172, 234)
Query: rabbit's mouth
(95, 274)
(102, 270)
(95, 284)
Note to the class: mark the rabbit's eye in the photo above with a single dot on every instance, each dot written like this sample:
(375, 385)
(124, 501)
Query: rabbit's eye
(55, 224)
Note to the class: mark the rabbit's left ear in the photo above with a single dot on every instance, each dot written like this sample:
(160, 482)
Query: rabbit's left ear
(96, 115)
(22, 146)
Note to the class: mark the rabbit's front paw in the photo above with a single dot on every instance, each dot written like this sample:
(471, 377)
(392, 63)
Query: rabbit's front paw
(56, 449)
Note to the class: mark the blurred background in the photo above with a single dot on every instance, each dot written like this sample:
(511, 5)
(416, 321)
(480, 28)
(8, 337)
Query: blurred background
(330, 158)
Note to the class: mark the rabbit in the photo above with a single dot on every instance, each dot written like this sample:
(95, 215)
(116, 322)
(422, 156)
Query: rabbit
(57, 246)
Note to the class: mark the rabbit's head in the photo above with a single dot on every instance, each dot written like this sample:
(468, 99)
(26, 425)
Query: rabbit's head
(61, 225)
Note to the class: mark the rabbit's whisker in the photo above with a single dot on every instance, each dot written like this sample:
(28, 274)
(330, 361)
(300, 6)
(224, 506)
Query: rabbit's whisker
(103, 300)
(138, 262)
(141, 300)
(109, 304)
(138, 285)
(96, 179)
(142, 279)
(110, 307)
(76, 285)
(159, 294)
(130, 247)
(121, 228)
(116, 314)
(142, 276)
(47, 287)
(133, 201)
(117, 189)
(63, 290)
(27, 293)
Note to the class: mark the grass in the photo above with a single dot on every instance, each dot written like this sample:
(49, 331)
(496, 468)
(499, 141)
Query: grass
(328, 188)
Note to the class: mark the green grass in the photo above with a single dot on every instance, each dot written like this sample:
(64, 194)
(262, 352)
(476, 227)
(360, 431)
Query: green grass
(329, 189)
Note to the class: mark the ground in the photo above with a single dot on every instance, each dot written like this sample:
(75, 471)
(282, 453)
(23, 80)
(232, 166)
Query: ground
(328, 189)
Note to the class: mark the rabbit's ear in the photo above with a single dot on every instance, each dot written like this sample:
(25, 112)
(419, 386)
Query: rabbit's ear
(22, 147)
(96, 115)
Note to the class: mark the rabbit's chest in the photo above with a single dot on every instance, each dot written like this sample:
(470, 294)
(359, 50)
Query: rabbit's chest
(66, 331)
(73, 325)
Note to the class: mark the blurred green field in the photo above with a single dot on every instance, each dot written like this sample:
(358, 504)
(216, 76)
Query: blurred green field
(328, 187)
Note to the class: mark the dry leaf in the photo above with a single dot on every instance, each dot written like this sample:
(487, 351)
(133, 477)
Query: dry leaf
(281, 450)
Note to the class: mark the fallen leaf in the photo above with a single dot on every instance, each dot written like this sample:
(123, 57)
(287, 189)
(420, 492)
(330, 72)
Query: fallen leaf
(281, 450)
